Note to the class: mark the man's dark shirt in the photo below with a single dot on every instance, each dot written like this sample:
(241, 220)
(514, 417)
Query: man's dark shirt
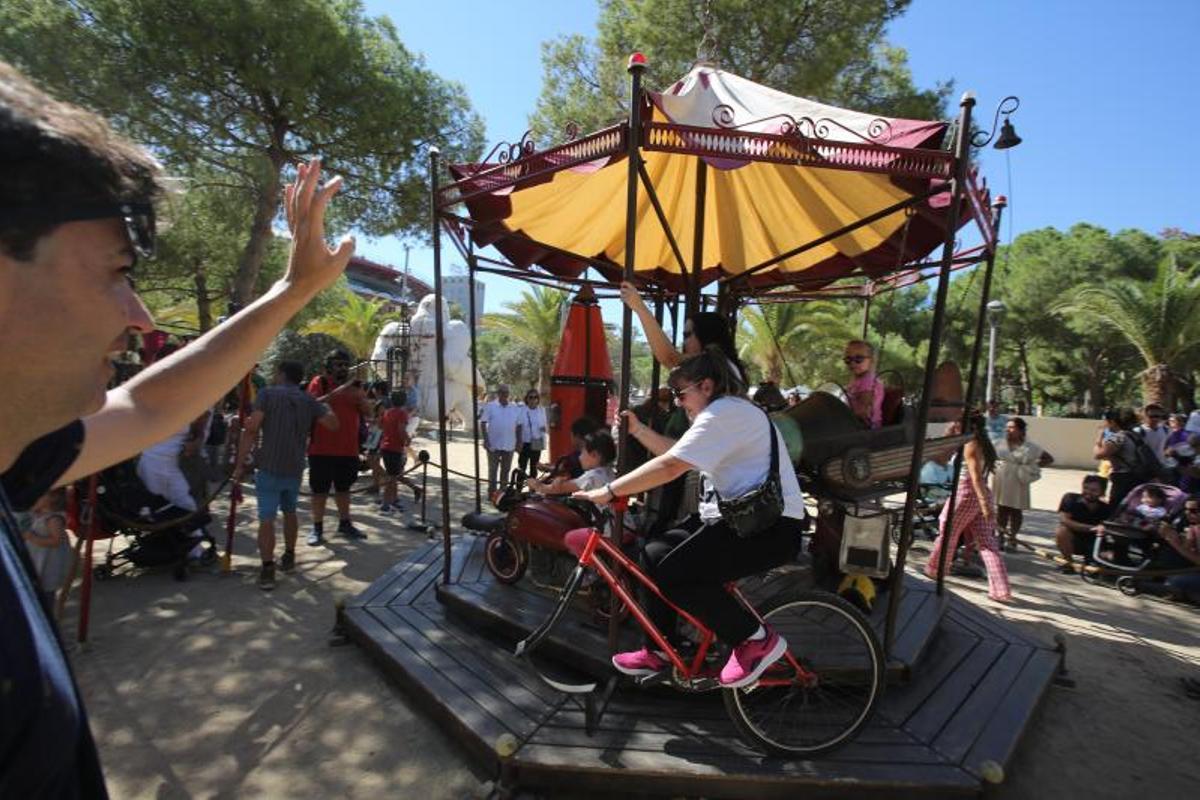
(46, 749)
(1073, 506)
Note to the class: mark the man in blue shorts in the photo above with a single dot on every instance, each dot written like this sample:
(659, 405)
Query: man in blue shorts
(285, 414)
(76, 212)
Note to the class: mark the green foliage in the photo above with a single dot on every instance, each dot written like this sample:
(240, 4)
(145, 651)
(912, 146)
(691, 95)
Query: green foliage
(534, 321)
(796, 343)
(309, 349)
(827, 50)
(641, 360)
(1159, 318)
(354, 321)
(503, 359)
(241, 88)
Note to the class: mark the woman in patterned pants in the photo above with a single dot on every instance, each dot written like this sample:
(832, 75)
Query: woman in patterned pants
(975, 513)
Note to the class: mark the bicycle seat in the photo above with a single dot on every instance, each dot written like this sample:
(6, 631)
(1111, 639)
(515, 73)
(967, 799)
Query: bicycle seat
(482, 521)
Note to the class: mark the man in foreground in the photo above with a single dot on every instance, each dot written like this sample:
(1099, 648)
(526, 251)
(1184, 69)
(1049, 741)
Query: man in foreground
(1080, 519)
(76, 211)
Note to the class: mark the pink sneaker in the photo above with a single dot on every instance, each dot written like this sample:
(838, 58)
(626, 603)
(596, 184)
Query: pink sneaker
(750, 659)
(640, 662)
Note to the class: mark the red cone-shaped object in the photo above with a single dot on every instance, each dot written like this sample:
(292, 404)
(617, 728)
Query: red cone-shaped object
(582, 374)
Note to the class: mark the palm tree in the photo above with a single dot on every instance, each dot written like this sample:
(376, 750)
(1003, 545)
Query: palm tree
(355, 322)
(535, 321)
(795, 341)
(1159, 318)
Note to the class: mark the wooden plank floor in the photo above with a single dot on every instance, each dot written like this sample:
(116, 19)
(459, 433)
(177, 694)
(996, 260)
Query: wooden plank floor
(973, 684)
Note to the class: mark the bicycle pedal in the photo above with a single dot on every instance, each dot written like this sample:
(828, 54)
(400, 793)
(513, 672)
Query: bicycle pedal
(654, 678)
(748, 688)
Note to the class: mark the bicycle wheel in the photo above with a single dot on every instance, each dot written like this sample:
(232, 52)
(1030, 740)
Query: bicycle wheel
(831, 639)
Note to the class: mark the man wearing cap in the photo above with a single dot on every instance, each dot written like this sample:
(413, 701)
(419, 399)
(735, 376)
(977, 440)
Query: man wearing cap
(500, 422)
(76, 212)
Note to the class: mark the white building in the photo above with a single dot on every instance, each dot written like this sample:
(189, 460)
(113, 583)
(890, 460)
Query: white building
(456, 290)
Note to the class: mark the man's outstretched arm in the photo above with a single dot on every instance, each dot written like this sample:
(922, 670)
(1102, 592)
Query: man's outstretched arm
(173, 392)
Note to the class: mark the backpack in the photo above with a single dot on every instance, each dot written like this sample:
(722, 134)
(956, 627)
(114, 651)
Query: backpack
(1144, 464)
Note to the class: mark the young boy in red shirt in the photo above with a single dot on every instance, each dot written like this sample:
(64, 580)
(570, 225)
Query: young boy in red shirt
(392, 449)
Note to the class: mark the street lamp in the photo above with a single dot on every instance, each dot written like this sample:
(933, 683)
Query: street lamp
(995, 310)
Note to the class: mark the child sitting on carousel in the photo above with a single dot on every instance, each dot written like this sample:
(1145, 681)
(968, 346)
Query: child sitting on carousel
(596, 455)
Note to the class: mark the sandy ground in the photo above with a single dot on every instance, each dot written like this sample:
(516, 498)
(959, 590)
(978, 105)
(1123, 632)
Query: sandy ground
(214, 689)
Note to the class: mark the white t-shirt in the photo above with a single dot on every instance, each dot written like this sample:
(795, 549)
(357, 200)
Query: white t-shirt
(1156, 438)
(502, 422)
(1193, 422)
(728, 443)
(533, 427)
(595, 478)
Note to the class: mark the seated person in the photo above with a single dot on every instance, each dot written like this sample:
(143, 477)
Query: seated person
(1152, 510)
(1186, 547)
(569, 466)
(596, 455)
(936, 475)
(1081, 518)
(865, 391)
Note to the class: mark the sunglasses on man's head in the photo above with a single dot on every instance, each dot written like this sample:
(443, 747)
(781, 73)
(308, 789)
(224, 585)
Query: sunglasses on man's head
(854, 359)
(137, 217)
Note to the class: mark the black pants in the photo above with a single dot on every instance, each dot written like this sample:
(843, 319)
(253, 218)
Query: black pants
(528, 460)
(1120, 483)
(692, 564)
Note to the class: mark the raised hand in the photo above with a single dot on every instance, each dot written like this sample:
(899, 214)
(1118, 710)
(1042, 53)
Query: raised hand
(631, 297)
(312, 264)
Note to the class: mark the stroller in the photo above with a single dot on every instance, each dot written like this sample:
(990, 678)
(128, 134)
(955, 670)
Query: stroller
(161, 534)
(1132, 545)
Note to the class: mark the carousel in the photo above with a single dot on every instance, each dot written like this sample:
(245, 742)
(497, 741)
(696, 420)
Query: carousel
(716, 193)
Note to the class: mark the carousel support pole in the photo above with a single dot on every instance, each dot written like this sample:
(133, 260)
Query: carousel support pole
(91, 520)
(637, 64)
(962, 145)
(235, 491)
(972, 377)
(474, 386)
(693, 281)
(867, 311)
(655, 367)
(439, 347)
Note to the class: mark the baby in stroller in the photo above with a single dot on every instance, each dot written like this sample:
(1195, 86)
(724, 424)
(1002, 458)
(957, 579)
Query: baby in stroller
(1130, 540)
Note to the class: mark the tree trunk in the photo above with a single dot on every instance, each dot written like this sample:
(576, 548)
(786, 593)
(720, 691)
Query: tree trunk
(260, 231)
(203, 301)
(1026, 378)
(1158, 386)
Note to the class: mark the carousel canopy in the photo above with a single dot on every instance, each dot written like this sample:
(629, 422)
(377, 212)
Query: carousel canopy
(779, 187)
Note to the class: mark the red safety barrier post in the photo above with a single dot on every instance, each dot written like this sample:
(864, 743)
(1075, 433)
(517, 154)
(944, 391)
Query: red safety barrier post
(235, 491)
(90, 519)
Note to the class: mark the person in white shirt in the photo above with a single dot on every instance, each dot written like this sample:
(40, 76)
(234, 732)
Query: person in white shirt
(1193, 422)
(501, 425)
(1154, 431)
(533, 434)
(729, 442)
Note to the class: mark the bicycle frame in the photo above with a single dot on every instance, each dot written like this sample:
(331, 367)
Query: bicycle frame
(597, 544)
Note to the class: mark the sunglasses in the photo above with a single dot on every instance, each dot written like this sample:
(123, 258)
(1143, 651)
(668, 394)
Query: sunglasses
(855, 359)
(1192, 510)
(137, 217)
(679, 393)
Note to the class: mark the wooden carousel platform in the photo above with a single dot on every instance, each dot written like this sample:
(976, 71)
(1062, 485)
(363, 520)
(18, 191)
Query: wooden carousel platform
(962, 687)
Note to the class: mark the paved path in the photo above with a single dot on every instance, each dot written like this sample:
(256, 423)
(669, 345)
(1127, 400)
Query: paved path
(214, 689)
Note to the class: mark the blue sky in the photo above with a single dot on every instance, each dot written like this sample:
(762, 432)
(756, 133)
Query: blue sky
(1108, 92)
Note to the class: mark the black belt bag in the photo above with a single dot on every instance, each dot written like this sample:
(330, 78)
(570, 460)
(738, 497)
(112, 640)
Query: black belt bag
(757, 511)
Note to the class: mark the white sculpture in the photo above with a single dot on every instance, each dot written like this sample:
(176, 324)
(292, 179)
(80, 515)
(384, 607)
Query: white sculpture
(423, 358)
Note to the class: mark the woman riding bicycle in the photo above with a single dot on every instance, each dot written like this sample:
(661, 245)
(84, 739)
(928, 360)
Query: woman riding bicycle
(728, 443)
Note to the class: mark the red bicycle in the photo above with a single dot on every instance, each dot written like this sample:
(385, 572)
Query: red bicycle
(814, 699)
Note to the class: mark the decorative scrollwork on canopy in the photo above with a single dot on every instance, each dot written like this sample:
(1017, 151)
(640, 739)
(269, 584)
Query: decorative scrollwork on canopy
(879, 130)
(505, 152)
(571, 130)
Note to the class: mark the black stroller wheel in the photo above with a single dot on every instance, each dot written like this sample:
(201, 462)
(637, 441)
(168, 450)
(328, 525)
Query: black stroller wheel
(1128, 586)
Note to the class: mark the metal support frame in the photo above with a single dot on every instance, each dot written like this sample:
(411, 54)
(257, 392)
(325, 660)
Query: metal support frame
(474, 372)
(962, 162)
(693, 282)
(662, 217)
(972, 377)
(655, 367)
(636, 67)
(866, 315)
(440, 344)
